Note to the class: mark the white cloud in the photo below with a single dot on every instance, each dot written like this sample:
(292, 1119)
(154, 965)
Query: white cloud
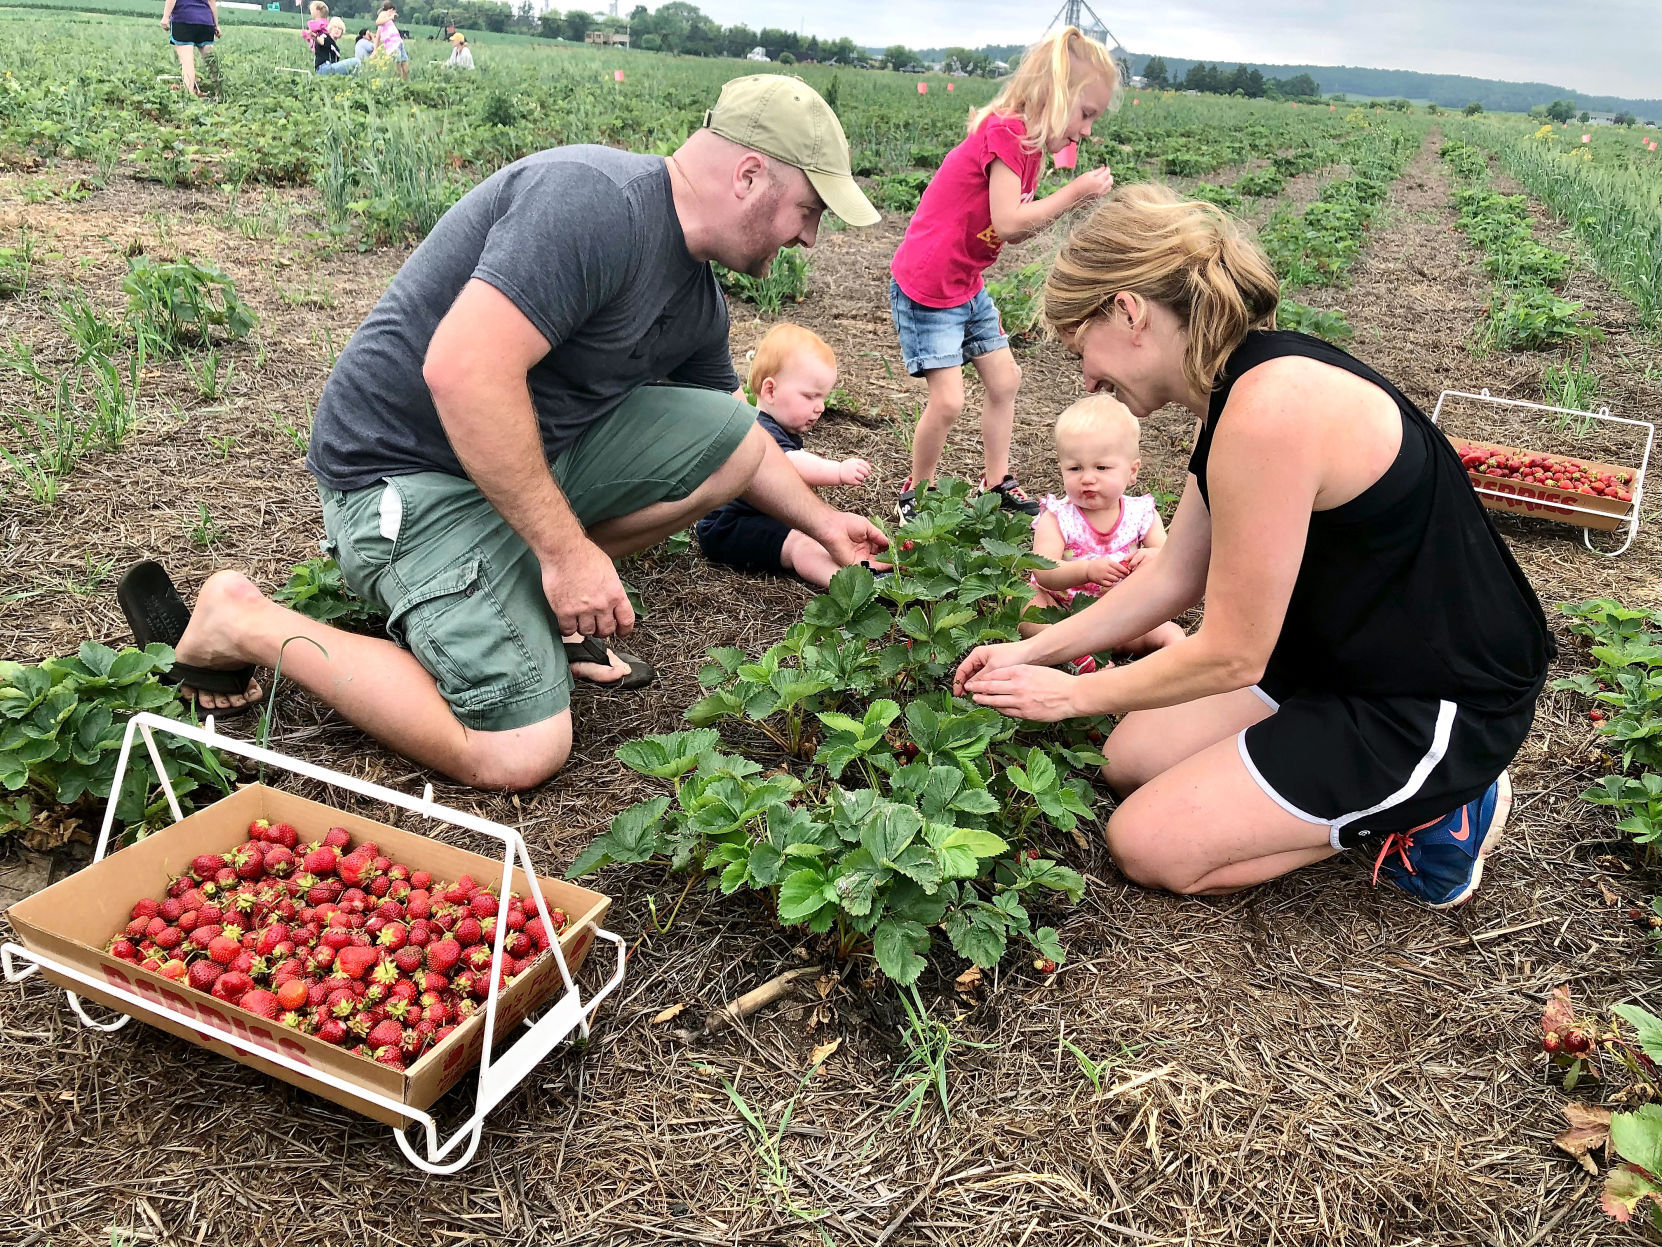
(1607, 47)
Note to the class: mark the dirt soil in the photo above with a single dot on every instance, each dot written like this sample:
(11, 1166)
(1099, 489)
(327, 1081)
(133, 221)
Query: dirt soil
(1313, 1062)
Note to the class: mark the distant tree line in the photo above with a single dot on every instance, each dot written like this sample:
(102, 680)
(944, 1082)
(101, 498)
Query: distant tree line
(1242, 80)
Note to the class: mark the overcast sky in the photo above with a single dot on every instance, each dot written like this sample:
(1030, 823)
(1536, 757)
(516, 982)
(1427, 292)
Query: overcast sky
(1602, 47)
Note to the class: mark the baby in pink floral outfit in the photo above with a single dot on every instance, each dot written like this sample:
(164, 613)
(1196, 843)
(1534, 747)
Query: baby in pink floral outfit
(1096, 533)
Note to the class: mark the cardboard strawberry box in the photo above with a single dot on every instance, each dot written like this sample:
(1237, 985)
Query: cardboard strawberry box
(1529, 496)
(74, 919)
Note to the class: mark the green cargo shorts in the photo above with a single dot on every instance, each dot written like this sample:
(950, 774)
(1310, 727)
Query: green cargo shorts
(463, 592)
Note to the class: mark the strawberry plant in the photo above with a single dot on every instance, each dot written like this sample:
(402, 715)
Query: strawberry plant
(1019, 299)
(786, 282)
(61, 725)
(316, 590)
(877, 809)
(175, 304)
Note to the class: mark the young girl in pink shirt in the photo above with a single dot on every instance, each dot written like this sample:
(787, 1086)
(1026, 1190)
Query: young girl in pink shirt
(1096, 533)
(982, 198)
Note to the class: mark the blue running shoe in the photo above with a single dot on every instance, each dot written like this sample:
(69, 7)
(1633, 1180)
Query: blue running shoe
(1441, 863)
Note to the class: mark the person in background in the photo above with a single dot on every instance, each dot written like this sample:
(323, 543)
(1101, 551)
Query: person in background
(190, 25)
(327, 49)
(391, 40)
(317, 24)
(365, 47)
(982, 198)
(792, 376)
(461, 56)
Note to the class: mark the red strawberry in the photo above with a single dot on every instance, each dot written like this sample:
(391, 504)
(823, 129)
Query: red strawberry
(380, 885)
(384, 1033)
(332, 1030)
(421, 879)
(390, 1055)
(535, 930)
(433, 980)
(180, 886)
(174, 969)
(224, 949)
(398, 872)
(261, 1003)
(207, 865)
(468, 932)
(210, 913)
(293, 994)
(408, 959)
(283, 834)
(394, 935)
(443, 956)
(320, 862)
(169, 938)
(392, 911)
(258, 828)
(411, 1043)
(124, 950)
(519, 944)
(483, 905)
(356, 962)
(354, 868)
(336, 838)
(478, 957)
(170, 909)
(231, 986)
(404, 989)
(279, 862)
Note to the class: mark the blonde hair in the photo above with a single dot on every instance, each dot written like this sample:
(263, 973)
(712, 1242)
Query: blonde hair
(337, 24)
(1145, 240)
(1103, 414)
(1045, 85)
(319, 9)
(780, 346)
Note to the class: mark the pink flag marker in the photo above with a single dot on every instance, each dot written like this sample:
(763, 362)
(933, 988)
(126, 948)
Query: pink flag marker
(949, 86)
(617, 75)
(1586, 138)
(1068, 157)
(1134, 100)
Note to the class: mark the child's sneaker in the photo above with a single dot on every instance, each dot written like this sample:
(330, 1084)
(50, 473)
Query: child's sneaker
(1441, 863)
(1011, 496)
(907, 507)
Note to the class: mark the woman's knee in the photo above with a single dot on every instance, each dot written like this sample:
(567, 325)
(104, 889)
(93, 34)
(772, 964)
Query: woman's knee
(1127, 763)
(1136, 847)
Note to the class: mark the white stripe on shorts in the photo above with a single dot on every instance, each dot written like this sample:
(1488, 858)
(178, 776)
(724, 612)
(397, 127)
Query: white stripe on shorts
(1416, 778)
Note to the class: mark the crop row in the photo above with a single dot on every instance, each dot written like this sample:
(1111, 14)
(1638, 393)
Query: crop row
(1524, 312)
(1613, 205)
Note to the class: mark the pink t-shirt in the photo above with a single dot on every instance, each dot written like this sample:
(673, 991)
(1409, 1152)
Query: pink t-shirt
(951, 240)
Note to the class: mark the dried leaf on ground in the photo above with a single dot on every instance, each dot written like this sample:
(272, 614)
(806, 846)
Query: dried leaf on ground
(674, 1011)
(1589, 1131)
(822, 1053)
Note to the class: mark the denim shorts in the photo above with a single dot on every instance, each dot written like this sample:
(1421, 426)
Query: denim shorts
(463, 592)
(944, 337)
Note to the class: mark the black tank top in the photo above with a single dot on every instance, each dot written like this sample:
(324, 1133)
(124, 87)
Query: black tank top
(1407, 589)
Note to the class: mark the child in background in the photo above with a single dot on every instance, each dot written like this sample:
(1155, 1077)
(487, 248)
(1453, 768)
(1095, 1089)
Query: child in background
(317, 25)
(327, 51)
(1096, 533)
(981, 199)
(390, 40)
(793, 372)
(365, 47)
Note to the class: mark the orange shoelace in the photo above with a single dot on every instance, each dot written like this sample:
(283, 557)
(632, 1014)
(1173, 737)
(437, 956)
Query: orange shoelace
(1399, 842)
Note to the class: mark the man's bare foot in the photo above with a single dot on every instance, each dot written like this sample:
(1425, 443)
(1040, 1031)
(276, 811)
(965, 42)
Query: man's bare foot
(614, 670)
(212, 638)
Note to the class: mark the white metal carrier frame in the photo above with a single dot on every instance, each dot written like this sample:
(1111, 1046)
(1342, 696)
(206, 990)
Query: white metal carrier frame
(498, 1074)
(1603, 413)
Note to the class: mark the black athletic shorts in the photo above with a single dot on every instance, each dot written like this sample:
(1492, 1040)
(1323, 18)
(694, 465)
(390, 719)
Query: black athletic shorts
(750, 543)
(1364, 767)
(193, 34)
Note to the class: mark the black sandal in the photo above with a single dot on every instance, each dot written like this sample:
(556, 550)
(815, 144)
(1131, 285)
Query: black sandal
(156, 612)
(592, 649)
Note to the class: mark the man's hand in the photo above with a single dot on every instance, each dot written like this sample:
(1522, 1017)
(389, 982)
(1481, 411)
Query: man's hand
(1039, 693)
(852, 539)
(1108, 571)
(585, 593)
(985, 658)
(853, 471)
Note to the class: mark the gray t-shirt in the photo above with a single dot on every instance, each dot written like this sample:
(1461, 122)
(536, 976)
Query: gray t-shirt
(586, 243)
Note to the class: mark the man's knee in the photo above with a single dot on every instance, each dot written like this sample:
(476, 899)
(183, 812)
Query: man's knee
(523, 758)
(736, 472)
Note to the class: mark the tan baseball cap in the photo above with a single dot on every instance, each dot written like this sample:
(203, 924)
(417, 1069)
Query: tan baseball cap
(785, 118)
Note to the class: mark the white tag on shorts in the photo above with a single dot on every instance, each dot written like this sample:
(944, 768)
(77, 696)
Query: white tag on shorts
(392, 512)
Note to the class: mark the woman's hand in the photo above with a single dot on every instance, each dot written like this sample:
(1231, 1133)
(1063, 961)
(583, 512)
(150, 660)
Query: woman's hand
(1039, 693)
(984, 658)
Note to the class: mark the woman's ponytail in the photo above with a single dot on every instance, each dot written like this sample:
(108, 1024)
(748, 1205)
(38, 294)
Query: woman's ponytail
(1185, 254)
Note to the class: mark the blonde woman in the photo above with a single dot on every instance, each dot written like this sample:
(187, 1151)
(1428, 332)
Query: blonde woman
(982, 198)
(1370, 655)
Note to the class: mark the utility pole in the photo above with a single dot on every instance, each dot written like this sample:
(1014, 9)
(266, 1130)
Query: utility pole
(1080, 13)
